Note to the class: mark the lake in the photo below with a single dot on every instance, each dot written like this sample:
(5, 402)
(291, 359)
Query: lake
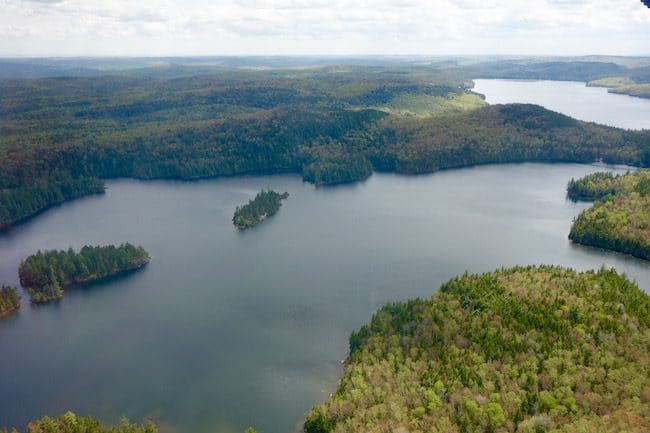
(226, 329)
(592, 104)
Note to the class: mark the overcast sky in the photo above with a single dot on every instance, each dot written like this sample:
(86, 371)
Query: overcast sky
(202, 27)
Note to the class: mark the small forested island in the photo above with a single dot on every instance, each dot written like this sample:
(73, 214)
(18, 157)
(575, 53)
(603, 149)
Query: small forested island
(527, 350)
(620, 218)
(265, 204)
(46, 274)
(9, 300)
(71, 423)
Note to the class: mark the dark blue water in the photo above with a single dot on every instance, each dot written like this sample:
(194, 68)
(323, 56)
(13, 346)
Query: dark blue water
(224, 329)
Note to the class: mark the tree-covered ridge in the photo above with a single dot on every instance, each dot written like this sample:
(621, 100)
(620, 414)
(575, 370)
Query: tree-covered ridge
(60, 137)
(45, 275)
(71, 423)
(499, 134)
(9, 300)
(527, 349)
(265, 204)
(620, 219)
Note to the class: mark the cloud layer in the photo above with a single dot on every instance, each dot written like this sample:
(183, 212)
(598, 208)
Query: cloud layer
(204, 27)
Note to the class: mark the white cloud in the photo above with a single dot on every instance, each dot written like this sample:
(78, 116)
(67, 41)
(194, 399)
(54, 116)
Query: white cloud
(204, 27)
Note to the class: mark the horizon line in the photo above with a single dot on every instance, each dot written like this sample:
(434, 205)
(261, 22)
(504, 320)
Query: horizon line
(278, 55)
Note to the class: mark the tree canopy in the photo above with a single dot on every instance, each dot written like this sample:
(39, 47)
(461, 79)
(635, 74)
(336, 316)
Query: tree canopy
(9, 300)
(527, 349)
(71, 423)
(265, 204)
(60, 138)
(46, 274)
(620, 218)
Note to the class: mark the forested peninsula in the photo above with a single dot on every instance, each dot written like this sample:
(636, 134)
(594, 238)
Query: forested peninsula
(9, 300)
(620, 218)
(624, 85)
(265, 204)
(45, 275)
(332, 124)
(527, 350)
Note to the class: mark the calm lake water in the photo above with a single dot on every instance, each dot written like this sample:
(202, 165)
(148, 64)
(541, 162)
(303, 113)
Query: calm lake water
(592, 104)
(224, 329)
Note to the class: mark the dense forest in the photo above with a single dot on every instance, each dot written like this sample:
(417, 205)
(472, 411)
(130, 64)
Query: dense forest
(61, 137)
(264, 205)
(9, 300)
(47, 274)
(527, 349)
(71, 423)
(596, 186)
(620, 218)
(26, 200)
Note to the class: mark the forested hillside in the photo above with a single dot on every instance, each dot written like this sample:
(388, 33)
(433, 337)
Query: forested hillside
(527, 349)
(60, 137)
(47, 274)
(620, 218)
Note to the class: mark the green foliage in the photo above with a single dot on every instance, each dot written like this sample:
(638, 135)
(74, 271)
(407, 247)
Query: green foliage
(524, 349)
(71, 423)
(47, 274)
(59, 138)
(497, 134)
(331, 162)
(9, 300)
(19, 203)
(620, 220)
(264, 205)
(594, 186)
(317, 422)
(643, 186)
